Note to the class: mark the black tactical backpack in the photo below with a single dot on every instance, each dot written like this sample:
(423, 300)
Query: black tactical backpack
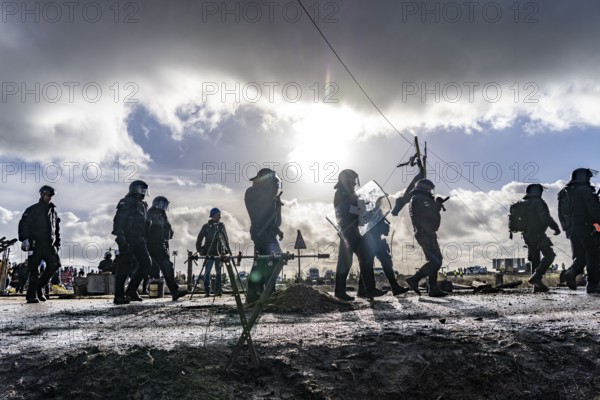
(517, 219)
(565, 213)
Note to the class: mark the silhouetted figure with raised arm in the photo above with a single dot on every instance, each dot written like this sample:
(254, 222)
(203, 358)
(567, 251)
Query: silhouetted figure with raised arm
(426, 218)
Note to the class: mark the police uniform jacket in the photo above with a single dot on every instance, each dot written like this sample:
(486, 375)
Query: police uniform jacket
(264, 210)
(131, 218)
(584, 209)
(424, 212)
(160, 231)
(347, 221)
(40, 223)
(538, 217)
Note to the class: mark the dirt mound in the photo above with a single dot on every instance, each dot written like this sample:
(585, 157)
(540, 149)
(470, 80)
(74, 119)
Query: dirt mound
(306, 299)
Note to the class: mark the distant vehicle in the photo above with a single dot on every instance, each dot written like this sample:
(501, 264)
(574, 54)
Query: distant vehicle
(329, 275)
(476, 269)
(313, 274)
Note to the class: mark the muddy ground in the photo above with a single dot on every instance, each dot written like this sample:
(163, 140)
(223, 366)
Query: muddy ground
(511, 345)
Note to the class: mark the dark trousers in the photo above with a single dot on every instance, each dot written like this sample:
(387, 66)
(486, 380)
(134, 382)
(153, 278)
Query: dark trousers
(160, 257)
(539, 244)
(135, 250)
(49, 255)
(382, 252)
(429, 243)
(261, 270)
(23, 276)
(365, 263)
(586, 252)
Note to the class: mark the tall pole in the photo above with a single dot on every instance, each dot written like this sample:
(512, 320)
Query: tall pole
(298, 279)
(190, 265)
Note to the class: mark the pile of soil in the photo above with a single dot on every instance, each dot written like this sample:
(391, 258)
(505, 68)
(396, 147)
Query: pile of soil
(306, 299)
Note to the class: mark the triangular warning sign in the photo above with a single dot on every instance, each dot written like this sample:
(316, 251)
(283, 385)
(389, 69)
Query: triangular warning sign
(299, 245)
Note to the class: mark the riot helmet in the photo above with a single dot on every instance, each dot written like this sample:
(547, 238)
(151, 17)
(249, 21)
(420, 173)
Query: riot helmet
(47, 190)
(583, 175)
(425, 185)
(138, 187)
(535, 189)
(161, 202)
(108, 255)
(266, 175)
(348, 178)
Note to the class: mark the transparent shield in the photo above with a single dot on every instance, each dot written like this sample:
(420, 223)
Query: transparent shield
(373, 206)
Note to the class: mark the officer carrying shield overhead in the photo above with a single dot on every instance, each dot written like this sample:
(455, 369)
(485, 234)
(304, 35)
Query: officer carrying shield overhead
(347, 213)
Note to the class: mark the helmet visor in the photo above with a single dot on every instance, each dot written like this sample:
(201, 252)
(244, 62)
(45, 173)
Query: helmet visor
(162, 204)
(140, 190)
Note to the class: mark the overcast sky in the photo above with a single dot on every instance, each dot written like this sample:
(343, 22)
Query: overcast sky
(195, 97)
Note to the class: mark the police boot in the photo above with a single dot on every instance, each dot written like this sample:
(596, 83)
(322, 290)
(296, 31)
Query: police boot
(593, 289)
(252, 294)
(40, 294)
(435, 291)
(397, 289)
(121, 300)
(375, 293)
(538, 285)
(178, 294)
(344, 296)
(133, 295)
(570, 280)
(361, 291)
(31, 294)
(413, 281)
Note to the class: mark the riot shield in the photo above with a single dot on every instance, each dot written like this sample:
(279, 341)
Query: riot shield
(373, 206)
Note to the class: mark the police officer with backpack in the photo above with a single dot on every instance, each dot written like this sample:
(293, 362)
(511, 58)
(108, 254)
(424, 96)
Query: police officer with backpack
(535, 219)
(578, 210)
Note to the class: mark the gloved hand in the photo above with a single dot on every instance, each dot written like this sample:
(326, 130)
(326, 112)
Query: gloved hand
(557, 232)
(121, 241)
(280, 234)
(440, 203)
(25, 245)
(400, 203)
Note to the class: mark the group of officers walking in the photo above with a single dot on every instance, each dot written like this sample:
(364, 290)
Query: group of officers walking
(143, 234)
(579, 216)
